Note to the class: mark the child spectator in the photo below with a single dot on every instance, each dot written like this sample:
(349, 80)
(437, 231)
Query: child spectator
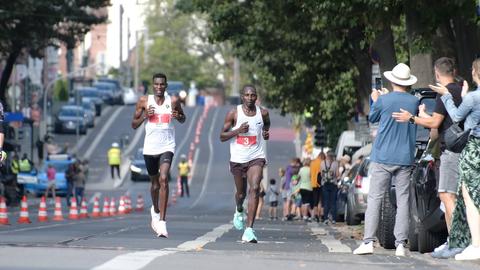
(296, 197)
(51, 172)
(273, 199)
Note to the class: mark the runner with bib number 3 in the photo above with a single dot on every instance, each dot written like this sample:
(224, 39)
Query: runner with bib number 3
(246, 126)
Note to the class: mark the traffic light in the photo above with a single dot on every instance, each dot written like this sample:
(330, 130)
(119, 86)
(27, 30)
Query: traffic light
(320, 136)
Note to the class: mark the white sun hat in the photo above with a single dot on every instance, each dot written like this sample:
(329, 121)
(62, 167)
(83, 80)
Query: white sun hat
(400, 75)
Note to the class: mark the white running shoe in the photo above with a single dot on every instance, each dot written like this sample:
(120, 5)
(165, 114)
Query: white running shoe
(162, 229)
(364, 249)
(155, 220)
(400, 251)
(470, 253)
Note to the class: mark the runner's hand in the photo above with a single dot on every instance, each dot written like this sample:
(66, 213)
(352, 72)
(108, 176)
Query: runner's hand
(151, 110)
(243, 127)
(266, 134)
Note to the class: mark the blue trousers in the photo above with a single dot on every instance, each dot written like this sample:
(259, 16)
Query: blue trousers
(329, 191)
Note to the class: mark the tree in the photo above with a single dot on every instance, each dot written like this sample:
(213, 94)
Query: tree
(33, 25)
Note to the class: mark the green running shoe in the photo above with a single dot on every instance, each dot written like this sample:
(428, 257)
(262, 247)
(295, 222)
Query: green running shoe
(239, 220)
(249, 236)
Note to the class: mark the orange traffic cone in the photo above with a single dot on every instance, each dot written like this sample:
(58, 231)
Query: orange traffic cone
(140, 204)
(174, 197)
(58, 216)
(96, 208)
(42, 211)
(128, 204)
(106, 208)
(24, 212)
(3, 212)
(83, 209)
(121, 206)
(113, 208)
(73, 214)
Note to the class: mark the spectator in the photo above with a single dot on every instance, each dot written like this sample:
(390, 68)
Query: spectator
(393, 153)
(296, 198)
(316, 178)
(183, 172)
(273, 199)
(51, 173)
(114, 159)
(79, 181)
(292, 169)
(329, 188)
(344, 167)
(306, 190)
(25, 164)
(465, 228)
(15, 169)
(70, 177)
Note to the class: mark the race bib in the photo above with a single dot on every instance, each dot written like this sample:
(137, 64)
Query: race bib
(160, 118)
(247, 140)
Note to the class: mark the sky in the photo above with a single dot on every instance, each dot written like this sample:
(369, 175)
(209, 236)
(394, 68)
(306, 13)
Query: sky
(133, 9)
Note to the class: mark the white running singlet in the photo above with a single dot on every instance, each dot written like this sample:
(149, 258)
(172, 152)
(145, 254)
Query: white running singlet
(159, 129)
(248, 146)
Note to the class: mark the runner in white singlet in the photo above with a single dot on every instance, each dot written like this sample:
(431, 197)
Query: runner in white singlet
(246, 127)
(159, 146)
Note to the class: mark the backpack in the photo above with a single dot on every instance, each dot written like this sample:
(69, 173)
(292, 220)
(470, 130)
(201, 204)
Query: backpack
(327, 174)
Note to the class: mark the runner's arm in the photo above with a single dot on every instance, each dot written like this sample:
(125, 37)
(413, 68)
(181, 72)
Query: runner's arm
(266, 124)
(227, 132)
(138, 115)
(177, 111)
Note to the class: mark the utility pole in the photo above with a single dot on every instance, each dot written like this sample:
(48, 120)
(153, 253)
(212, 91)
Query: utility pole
(236, 77)
(120, 67)
(129, 67)
(137, 62)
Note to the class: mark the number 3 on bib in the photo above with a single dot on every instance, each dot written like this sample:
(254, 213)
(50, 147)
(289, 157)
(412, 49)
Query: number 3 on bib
(247, 140)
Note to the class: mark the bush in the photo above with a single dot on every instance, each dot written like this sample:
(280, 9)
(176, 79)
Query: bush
(60, 91)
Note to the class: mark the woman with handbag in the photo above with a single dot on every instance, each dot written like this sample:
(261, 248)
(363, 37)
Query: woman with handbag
(468, 203)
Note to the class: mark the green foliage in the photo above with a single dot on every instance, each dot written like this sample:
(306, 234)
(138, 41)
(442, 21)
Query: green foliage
(60, 91)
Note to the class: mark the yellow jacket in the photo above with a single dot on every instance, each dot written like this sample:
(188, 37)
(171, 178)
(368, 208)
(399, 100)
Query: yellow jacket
(114, 156)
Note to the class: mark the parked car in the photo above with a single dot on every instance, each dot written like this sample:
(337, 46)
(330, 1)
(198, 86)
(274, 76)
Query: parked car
(347, 145)
(177, 88)
(89, 109)
(427, 221)
(359, 185)
(138, 169)
(118, 88)
(129, 96)
(38, 182)
(109, 94)
(69, 118)
(92, 94)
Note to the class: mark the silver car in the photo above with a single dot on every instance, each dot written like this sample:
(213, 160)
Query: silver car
(359, 184)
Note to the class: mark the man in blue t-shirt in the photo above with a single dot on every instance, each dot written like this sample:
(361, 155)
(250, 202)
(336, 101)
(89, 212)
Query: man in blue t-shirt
(392, 155)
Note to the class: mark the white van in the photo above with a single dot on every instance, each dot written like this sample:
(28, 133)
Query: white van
(347, 145)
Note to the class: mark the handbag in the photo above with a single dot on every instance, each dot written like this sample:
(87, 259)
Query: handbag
(456, 138)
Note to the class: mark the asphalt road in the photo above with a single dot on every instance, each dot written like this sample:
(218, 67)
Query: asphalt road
(201, 235)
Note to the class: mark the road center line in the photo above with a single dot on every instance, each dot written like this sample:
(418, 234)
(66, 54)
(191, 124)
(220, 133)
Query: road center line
(138, 260)
(101, 134)
(210, 160)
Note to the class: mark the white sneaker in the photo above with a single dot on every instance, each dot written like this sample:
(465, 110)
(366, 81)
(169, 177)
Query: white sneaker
(155, 220)
(400, 251)
(364, 249)
(470, 253)
(442, 247)
(162, 229)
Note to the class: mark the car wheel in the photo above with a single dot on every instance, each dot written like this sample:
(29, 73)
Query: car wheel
(412, 235)
(350, 219)
(387, 223)
(428, 241)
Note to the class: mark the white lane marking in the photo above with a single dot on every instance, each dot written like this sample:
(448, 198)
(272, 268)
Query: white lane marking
(328, 240)
(138, 260)
(195, 159)
(101, 134)
(210, 160)
(185, 136)
(82, 140)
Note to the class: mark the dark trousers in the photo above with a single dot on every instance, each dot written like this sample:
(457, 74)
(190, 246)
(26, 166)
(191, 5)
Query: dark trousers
(79, 195)
(69, 192)
(184, 183)
(112, 170)
(329, 200)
